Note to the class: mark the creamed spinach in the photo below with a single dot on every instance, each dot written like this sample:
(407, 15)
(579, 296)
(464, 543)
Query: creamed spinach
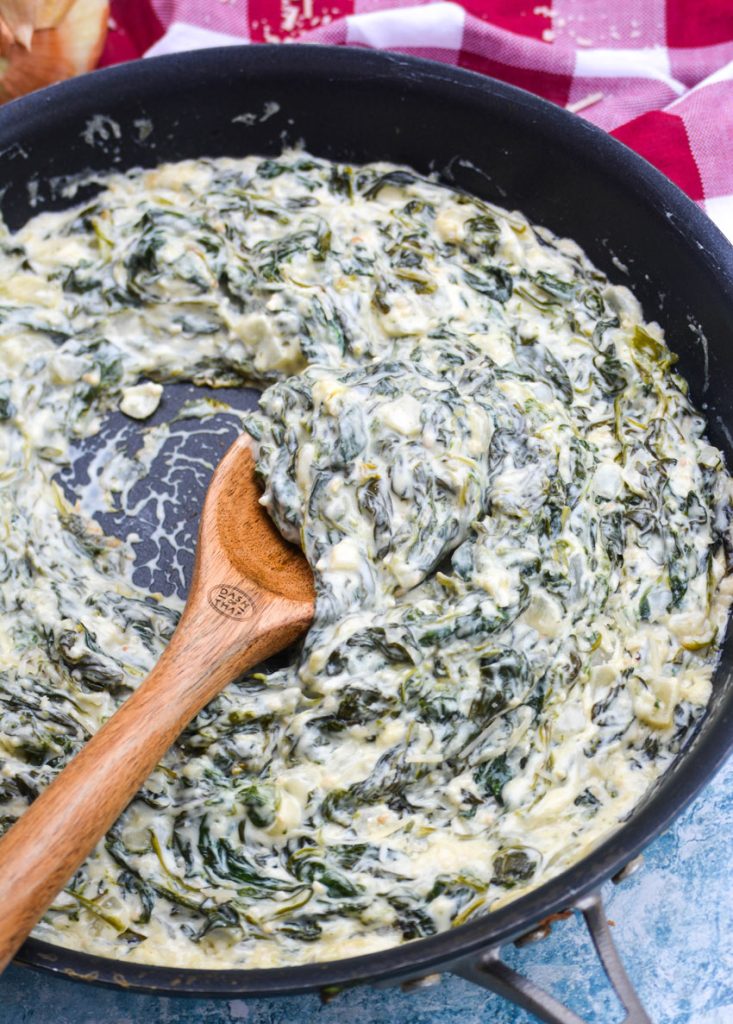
(518, 530)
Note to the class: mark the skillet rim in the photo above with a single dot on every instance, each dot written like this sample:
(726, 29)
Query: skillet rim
(713, 740)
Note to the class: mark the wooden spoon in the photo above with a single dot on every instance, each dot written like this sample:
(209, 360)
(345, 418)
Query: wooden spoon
(251, 595)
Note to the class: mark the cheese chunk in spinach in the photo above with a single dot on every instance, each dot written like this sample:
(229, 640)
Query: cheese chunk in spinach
(518, 530)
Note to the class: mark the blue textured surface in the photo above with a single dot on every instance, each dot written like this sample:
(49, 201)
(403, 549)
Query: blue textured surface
(673, 924)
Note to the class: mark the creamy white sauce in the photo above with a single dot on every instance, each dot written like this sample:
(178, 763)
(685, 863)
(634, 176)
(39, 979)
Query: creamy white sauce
(515, 521)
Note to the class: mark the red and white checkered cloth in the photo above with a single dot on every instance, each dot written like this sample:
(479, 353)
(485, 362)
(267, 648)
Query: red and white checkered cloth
(657, 74)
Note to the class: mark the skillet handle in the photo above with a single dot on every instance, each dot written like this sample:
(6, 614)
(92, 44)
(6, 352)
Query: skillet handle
(490, 971)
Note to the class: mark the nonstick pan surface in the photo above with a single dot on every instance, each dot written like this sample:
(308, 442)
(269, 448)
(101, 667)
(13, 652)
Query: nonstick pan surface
(486, 137)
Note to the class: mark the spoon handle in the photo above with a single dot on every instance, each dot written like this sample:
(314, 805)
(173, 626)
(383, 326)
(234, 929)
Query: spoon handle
(224, 630)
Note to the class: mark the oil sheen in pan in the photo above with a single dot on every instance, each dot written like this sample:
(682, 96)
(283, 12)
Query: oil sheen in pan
(158, 472)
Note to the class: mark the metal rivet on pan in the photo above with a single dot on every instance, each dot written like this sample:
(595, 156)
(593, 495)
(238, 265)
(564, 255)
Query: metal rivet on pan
(542, 930)
(536, 935)
(629, 869)
(416, 983)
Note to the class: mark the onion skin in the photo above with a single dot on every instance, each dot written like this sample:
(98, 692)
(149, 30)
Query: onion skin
(70, 48)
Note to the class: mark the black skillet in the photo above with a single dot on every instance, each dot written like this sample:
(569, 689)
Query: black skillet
(504, 145)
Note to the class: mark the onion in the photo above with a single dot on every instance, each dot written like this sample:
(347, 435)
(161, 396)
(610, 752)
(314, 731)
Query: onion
(45, 41)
